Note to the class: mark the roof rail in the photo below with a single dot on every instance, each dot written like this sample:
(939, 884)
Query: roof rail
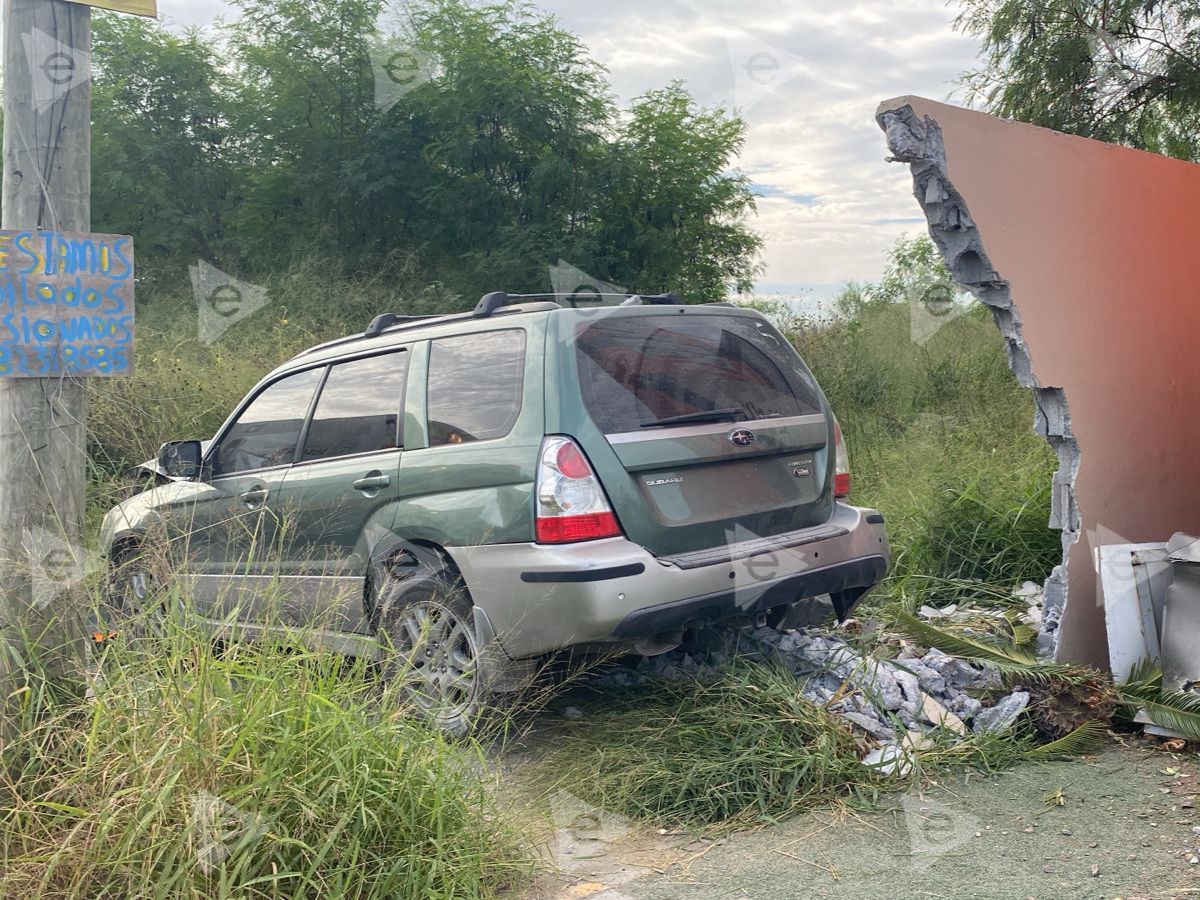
(494, 301)
(668, 299)
(383, 322)
(489, 303)
(487, 307)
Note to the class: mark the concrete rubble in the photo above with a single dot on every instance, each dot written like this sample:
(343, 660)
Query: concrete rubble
(899, 703)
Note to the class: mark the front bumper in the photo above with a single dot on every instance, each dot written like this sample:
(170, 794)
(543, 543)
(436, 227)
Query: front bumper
(539, 598)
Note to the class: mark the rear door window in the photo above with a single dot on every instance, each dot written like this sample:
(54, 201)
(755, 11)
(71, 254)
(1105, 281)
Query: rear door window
(639, 372)
(359, 408)
(475, 386)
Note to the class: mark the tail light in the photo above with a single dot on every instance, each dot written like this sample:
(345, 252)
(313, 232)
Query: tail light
(571, 505)
(841, 477)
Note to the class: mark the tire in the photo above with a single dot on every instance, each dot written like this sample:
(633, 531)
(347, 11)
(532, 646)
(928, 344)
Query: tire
(132, 596)
(426, 630)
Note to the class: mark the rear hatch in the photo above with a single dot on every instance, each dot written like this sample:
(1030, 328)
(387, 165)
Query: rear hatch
(703, 423)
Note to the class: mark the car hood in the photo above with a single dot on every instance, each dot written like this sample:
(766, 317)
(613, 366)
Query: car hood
(140, 514)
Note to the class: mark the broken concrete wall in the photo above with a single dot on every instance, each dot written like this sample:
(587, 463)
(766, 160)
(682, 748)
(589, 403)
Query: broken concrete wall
(1086, 254)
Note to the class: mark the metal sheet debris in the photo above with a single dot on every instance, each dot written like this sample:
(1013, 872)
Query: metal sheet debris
(1133, 583)
(1181, 618)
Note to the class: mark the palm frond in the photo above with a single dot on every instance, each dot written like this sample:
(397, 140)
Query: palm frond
(1008, 660)
(1023, 634)
(1087, 738)
(1177, 711)
(1144, 680)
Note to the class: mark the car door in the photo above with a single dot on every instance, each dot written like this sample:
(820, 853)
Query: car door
(339, 499)
(233, 542)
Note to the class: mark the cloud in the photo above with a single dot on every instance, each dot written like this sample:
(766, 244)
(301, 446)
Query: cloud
(769, 190)
(193, 12)
(811, 110)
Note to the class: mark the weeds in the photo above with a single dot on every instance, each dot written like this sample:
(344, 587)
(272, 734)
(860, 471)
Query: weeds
(740, 749)
(251, 770)
(941, 441)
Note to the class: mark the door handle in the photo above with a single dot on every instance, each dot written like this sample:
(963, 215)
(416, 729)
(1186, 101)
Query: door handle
(256, 496)
(374, 481)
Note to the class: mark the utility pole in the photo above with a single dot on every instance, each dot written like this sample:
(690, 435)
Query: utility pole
(43, 421)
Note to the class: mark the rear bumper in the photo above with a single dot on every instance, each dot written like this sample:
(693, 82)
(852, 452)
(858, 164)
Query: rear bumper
(847, 582)
(541, 598)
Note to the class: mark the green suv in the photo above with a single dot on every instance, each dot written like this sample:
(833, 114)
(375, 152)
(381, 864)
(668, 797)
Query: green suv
(475, 491)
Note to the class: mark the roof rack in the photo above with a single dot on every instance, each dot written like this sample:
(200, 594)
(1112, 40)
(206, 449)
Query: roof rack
(491, 303)
(382, 323)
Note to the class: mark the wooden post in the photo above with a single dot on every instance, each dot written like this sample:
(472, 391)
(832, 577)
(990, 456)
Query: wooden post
(43, 421)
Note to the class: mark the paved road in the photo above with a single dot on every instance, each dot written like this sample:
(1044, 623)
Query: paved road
(1126, 813)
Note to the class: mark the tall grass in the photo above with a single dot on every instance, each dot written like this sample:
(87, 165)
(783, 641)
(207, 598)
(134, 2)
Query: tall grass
(742, 748)
(942, 442)
(250, 770)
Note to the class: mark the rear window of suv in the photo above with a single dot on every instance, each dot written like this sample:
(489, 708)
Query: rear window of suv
(637, 371)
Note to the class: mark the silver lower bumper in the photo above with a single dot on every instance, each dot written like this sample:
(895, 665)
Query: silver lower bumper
(541, 598)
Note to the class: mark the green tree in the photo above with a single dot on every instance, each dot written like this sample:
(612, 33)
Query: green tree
(673, 215)
(161, 139)
(1118, 70)
(915, 273)
(306, 82)
(507, 154)
(514, 129)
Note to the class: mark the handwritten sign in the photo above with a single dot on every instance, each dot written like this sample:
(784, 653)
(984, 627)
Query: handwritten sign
(66, 304)
(137, 7)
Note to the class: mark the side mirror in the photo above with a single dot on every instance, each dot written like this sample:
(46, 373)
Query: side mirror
(180, 459)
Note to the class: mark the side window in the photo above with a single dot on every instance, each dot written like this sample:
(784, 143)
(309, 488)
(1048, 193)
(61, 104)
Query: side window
(267, 431)
(359, 409)
(475, 386)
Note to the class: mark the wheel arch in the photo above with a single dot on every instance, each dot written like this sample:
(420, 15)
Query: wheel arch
(124, 544)
(391, 552)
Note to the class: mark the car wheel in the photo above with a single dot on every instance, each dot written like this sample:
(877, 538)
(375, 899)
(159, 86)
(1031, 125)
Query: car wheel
(133, 599)
(427, 634)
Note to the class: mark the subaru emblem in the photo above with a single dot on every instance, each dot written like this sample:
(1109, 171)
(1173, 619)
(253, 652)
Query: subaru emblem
(743, 437)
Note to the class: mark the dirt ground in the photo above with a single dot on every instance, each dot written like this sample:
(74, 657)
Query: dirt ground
(1119, 825)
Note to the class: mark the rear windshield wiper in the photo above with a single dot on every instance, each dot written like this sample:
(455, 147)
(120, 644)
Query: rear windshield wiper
(698, 418)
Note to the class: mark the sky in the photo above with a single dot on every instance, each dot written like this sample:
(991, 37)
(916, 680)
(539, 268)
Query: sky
(807, 75)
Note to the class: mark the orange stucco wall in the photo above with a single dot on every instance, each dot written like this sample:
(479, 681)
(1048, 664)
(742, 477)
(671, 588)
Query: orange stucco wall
(1100, 248)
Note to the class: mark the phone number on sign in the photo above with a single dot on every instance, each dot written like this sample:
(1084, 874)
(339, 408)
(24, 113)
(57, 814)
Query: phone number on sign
(40, 362)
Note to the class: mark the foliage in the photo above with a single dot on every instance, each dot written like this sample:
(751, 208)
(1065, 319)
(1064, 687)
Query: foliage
(1178, 711)
(940, 435)
(161, 139)
(1087, 738)
(915, 273)
(246, 771)
(506, 154)
(743, 748)
(1126, 71)
(668, 210)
